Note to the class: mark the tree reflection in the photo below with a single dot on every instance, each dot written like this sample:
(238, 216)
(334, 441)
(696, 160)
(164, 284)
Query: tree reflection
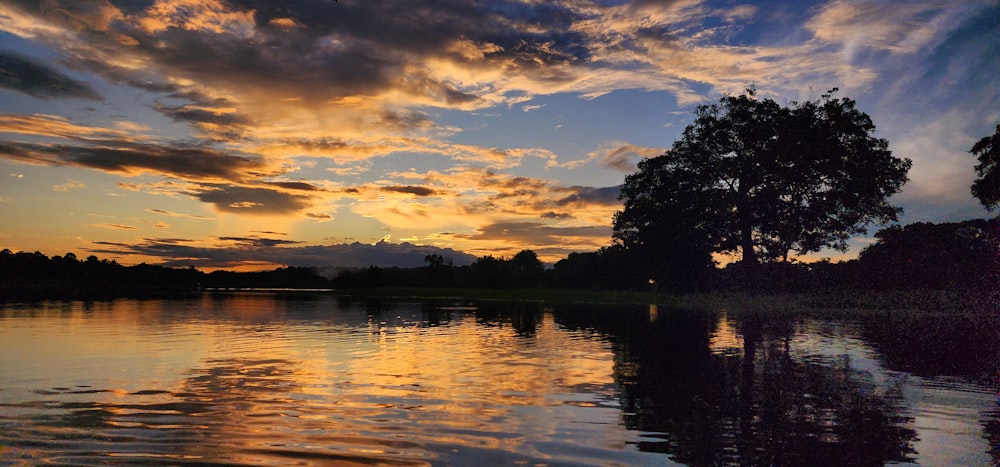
(762, 407)
(966, 346)
(991, 430)
(804, 413)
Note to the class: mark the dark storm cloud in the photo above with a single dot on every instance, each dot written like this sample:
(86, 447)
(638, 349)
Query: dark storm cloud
(320, 49)
(244, 200)
(176, 254)
(584, 195)
(413, 190)
(187, 162)
(254, 251)
(428, 26)
(34, 79)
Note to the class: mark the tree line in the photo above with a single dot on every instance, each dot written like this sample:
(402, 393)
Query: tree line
(945, 256)
(748, 178)
(26, 275)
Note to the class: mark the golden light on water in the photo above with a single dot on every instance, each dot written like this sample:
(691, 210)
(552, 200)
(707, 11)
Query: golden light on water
(726, 340)
(274, 379)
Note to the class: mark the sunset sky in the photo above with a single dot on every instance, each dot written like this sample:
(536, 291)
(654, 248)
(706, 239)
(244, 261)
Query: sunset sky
(254, 134)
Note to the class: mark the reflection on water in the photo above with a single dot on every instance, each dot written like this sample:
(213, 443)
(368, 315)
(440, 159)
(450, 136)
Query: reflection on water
(261, 379)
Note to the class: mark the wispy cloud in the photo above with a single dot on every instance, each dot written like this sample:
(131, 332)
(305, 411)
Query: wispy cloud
(177, 214)
(116, 226)
(69, 185)
(623, 157)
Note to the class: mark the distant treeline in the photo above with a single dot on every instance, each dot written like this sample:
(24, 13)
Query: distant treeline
(947, 256)
(36, 276)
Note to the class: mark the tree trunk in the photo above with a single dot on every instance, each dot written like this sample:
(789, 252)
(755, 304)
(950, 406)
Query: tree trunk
(746, 246)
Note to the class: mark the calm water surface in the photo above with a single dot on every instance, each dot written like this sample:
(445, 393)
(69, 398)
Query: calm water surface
(273, 379)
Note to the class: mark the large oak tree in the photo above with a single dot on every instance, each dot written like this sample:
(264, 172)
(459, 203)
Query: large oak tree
(764, 179)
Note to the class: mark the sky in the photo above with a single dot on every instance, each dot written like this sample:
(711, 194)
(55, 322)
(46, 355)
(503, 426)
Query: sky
(252, 134)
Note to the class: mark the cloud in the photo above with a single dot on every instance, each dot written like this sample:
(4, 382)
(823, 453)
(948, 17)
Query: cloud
(461, 55)
(256, 242)
(942, 168)
(25, 75)
(872, 24)
(583, 196)
(623, 157)
(536, 233)
(69, 185)
(284, 23)
(319, 217)
(254, 201)
(233, 252)
(176, 214)
(131, 158)
(413, 190)
(56, 127)
(295, 186)
(115, 226)
(220, 120)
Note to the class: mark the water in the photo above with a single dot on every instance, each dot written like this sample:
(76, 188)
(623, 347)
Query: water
(291, 379)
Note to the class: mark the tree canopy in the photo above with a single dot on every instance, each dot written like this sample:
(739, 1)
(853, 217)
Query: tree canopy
(943, 256)
(764, 179)
(986, 188)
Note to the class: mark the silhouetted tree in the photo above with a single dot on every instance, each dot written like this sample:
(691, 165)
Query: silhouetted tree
(610, 267)
(439, 270)
(753, 176)
(986, 188)
(527, 269)
(488, 271)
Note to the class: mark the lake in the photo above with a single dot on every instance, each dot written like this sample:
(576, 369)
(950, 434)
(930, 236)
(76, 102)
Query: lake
(254, 378)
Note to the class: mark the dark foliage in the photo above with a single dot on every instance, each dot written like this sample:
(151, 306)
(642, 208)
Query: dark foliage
(524, 270)
(25, 276)
(961, 256)
(766, 180)
(986, 188)
(286, 278)
(933, 256)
